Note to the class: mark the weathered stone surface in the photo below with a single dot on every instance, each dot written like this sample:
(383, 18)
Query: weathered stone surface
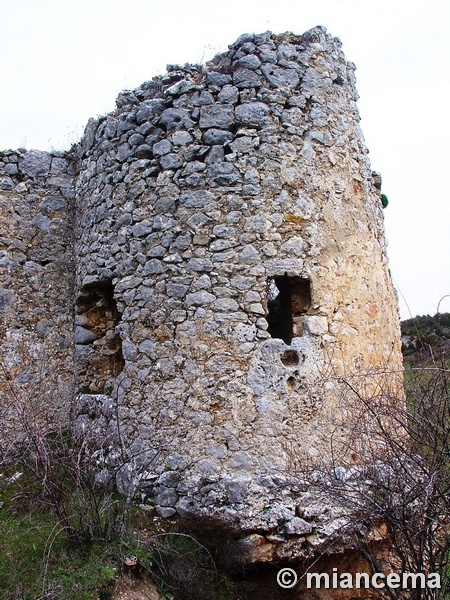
(149, 109)
(175, 118)
(152, 267)
(297, 526)
(229, 94)
(166, 497)
(217, 136)
(224, 173)
(246, 78)
(202, 98)
(143, 151)
(219, 116)
(162, 147)
(252, 114)
(6, 299)
(279, 77)
(199, 298)
(171, 161)
(315, 325)
(83, 336)
(197, 199)
(218, 79)
(35, 163)
(181, 138)
(6, 183)
(165, 512)
(36, 277)
(11, 169)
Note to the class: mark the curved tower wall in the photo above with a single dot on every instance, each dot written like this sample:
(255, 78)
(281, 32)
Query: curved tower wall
(231, 266)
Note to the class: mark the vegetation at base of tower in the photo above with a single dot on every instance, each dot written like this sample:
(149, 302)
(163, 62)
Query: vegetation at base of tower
(64, 535)
(60, 542)
(395, 485)
(384, 200)
(37, 561)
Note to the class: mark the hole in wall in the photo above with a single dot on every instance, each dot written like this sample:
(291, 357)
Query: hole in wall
(101, 359)
(290, 383)
(290, 358)
(288, 298)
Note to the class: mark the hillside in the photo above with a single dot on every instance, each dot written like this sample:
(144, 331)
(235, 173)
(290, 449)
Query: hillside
(426, 338)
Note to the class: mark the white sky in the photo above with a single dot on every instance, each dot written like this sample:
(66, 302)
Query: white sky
(62, 62)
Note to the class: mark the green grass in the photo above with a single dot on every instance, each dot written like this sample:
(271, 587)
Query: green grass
(36, 558)
(37, 561)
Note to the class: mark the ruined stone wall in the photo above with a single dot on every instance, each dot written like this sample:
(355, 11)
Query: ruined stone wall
(231, 267)
(194, 282)
(36, 286)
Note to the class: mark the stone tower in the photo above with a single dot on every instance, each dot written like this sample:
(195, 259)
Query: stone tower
(230, 270)
(230, 229)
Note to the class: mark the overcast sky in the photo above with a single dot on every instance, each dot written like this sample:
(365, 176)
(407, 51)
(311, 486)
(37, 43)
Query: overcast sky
(63, 62)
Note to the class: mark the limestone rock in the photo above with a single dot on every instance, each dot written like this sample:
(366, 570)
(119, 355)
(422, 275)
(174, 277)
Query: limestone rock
(35, 163)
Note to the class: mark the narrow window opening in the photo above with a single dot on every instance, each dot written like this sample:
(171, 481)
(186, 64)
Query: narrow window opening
(99, 347)
(288, 299)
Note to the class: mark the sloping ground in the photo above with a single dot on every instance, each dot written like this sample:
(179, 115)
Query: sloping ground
(130, 588)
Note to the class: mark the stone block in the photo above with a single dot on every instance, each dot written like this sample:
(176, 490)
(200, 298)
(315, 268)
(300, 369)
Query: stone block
(315, 325)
